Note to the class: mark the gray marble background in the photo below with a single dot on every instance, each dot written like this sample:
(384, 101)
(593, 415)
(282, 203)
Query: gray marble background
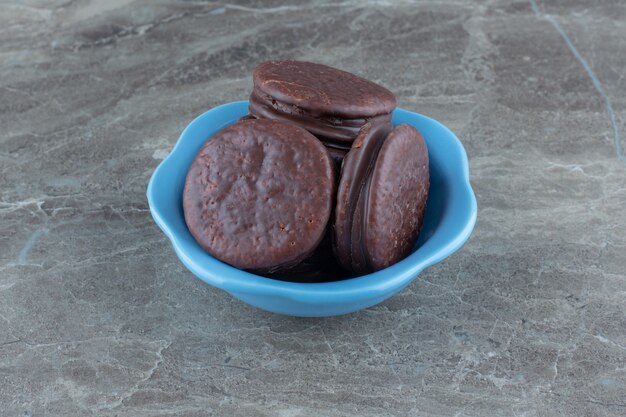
(98, 316)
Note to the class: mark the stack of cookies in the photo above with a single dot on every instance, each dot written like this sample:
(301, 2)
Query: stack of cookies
(315, 184)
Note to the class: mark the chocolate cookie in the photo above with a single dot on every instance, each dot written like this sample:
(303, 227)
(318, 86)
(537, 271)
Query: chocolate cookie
(332, 104)
(381, 198)
(259, 195)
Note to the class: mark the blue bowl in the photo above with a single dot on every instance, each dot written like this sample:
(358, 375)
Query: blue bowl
(449, 220)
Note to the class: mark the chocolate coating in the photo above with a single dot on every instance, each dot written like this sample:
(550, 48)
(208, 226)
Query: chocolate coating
(332, 130)
(337, 156)
(247, 117)
(381, 198)
(322, 90)
(259, 194)
(357, 167)
(397, 198)
(332, 104)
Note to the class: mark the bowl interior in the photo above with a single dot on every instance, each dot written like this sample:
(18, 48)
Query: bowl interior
(196, 136)
(449, 218)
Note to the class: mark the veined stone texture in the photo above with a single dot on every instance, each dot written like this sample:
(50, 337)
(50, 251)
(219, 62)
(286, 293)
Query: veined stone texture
(98, 317)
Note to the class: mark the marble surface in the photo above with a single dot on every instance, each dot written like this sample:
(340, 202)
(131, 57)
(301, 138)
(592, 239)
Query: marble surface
(99, 318)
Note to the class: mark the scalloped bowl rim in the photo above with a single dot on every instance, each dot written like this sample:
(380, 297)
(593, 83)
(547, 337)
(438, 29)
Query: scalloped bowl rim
(370, 286)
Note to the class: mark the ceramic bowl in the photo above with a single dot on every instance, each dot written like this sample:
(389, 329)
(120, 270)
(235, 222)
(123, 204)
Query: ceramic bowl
(449, 220)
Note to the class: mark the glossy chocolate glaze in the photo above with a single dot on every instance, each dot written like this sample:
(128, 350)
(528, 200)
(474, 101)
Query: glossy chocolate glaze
(396, 201)
(337, 155)
(322, 90)
(381, 198)
(247, 117)
(259, 195)
(332, 130)
(352, 197)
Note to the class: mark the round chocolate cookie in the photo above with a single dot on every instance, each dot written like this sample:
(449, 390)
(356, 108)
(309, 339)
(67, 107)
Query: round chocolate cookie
(381, 198)
(330, 103)
(259, 194)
